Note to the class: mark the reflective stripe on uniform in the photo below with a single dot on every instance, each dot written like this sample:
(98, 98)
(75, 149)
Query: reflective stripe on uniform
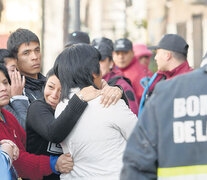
(186, 177)
(183, 172)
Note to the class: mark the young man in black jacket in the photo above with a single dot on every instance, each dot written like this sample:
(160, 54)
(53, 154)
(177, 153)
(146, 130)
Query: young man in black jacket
(25, 46)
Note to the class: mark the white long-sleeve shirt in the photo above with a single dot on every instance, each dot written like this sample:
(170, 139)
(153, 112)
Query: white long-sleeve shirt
(98, 140)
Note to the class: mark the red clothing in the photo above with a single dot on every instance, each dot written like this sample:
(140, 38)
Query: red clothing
(128, 90)
(181, 69)
(141, 50)
(27, 165)
(138, 75)
(113, 73)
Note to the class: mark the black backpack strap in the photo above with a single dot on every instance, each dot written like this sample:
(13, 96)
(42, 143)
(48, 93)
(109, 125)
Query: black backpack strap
(113, 81)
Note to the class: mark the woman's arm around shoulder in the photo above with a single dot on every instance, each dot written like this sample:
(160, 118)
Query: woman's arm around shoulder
(41, 119)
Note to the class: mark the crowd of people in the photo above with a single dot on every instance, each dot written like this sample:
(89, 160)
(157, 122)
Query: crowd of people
(100, 113)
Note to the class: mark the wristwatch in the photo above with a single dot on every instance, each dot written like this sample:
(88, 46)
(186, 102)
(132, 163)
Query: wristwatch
(80, 97)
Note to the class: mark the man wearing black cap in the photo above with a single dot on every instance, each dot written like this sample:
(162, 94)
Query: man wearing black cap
(128, 64)
(171, 58)
(105, 47)
(114, 76)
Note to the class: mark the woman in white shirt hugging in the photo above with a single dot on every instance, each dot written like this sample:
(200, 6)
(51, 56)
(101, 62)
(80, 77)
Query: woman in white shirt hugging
(98, 140)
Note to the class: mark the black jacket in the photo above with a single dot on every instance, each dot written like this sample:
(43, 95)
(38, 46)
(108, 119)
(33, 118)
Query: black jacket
(34, 87)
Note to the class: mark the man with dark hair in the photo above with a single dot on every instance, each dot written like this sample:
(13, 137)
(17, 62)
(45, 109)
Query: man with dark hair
(128, 64)
(25, 46)
(171, 58)
(19, 37)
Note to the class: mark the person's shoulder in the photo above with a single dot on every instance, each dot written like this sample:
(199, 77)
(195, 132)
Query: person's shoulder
(201, 72)
(9, 117)
(7, 113)
(112, 113)
(96, 103)
(184, 80)
(119, 110)
(38, 104)
(123, 81)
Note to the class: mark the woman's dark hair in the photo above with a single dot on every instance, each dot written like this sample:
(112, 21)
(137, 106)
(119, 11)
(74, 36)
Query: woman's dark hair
(50, 73)
(75, 67)
(5, 72)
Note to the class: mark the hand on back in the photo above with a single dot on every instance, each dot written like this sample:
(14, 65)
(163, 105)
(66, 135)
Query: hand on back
(64, 163)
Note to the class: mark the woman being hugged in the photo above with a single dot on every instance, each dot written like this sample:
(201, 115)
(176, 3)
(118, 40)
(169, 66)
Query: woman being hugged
(98, 139)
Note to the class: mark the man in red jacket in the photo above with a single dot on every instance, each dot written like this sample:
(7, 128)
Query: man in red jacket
(114, 76)
(128, 64)
(171, 58)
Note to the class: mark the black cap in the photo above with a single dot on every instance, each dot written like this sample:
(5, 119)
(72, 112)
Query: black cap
(105, 40)
(78, 37)
(172, 42)
(104, 46)
(122, 45)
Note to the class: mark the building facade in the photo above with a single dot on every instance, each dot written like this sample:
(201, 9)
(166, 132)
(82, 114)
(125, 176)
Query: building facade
(19, 14)
(114, 19)
(187, 18)
(143, 21)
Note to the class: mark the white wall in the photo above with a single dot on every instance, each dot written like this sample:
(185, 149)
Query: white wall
(53, 33)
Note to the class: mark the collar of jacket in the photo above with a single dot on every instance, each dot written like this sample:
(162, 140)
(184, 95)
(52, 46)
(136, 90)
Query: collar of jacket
(184, 67)
(35, 84)
(130, 64)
